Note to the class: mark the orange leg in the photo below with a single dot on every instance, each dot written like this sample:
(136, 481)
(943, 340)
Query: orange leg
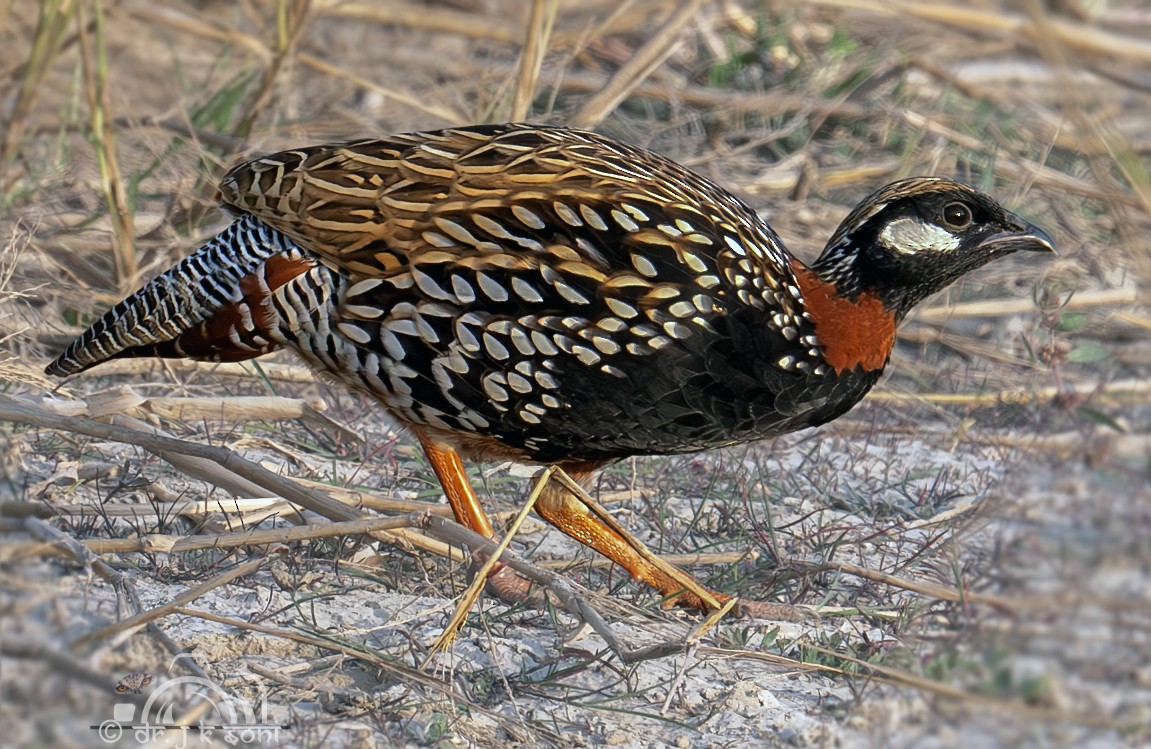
(560, 507)
(462, 498)
(466, 507)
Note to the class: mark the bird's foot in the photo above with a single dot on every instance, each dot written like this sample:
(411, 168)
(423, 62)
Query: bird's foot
(749, 609)
(512, 589)
(785, 612)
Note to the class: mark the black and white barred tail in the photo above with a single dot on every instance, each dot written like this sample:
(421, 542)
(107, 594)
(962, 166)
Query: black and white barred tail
(213, 305)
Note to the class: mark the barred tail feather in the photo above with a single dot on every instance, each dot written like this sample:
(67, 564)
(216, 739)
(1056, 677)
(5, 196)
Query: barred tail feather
(212, 305)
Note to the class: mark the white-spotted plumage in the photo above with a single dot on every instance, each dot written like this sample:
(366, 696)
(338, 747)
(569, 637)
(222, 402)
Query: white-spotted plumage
(534, 292)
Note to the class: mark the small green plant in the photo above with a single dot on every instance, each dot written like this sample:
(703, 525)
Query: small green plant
(1064, 343)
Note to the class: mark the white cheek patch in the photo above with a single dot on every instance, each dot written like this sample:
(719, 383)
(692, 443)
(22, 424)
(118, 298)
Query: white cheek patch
(909, 236)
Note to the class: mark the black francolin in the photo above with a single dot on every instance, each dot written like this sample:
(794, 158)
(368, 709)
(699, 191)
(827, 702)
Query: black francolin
(546, 295)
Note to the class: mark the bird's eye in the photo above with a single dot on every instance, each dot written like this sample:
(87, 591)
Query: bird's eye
(957, 216)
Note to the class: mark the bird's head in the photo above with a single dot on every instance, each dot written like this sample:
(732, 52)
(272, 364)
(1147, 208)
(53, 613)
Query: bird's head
(914, 237)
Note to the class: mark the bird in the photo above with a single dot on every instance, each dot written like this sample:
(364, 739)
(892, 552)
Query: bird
(547, 295)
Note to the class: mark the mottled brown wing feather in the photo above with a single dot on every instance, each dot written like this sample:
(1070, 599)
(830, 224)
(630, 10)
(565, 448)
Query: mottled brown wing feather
(337, 199)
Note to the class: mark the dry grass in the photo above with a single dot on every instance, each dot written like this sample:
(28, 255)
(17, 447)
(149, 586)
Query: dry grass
(975, 535)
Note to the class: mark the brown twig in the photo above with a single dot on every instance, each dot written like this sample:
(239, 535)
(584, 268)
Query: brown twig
(1005, 307)
(641, 65)
(434, 18)
(1118, 389)
(1076, 35)
(151, 615)
(175, 545)
(95, 66)
(415, 101)
(406, 674)
(167, 447)
(538, 31)
(51, 24)
(291, 22)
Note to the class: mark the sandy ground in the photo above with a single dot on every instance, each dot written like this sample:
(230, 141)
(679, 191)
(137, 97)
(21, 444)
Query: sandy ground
(1052, 653)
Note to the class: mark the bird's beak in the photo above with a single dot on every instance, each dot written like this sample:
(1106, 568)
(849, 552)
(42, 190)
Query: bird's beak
(1022, 236)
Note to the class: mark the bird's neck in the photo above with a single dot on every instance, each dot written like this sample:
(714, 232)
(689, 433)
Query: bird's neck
(855, 331)
(841, 267)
